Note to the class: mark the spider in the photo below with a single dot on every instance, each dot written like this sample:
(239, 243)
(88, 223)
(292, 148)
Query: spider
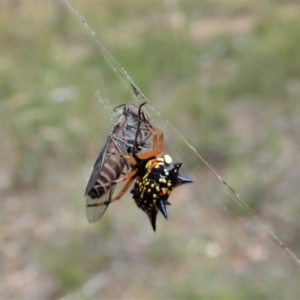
(156, 176)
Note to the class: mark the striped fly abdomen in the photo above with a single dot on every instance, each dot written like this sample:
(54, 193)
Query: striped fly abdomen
(111, 170)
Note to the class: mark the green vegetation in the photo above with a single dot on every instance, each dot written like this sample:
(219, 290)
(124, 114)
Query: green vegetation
(225, 73)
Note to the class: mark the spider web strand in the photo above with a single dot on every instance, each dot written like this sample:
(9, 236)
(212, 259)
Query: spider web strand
(137, 92)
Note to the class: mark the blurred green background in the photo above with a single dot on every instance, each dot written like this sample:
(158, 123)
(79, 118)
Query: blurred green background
(225, 73)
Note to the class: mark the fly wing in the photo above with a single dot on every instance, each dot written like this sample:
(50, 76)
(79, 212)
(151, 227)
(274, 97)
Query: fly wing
(94, 213)
(107, 167)
(98, 166)
(95, 208)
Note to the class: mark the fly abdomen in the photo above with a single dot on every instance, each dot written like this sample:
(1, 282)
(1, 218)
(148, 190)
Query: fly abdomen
(111, 170)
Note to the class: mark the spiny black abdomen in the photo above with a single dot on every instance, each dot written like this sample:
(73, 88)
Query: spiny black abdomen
(154, 185)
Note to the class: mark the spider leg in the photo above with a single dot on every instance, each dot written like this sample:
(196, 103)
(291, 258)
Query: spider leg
(129, 158)
(119, 154)
(128, 176)
(121, 193)
(157, 144)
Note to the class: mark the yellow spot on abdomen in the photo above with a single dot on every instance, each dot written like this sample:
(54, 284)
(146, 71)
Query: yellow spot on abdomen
(168, 159)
